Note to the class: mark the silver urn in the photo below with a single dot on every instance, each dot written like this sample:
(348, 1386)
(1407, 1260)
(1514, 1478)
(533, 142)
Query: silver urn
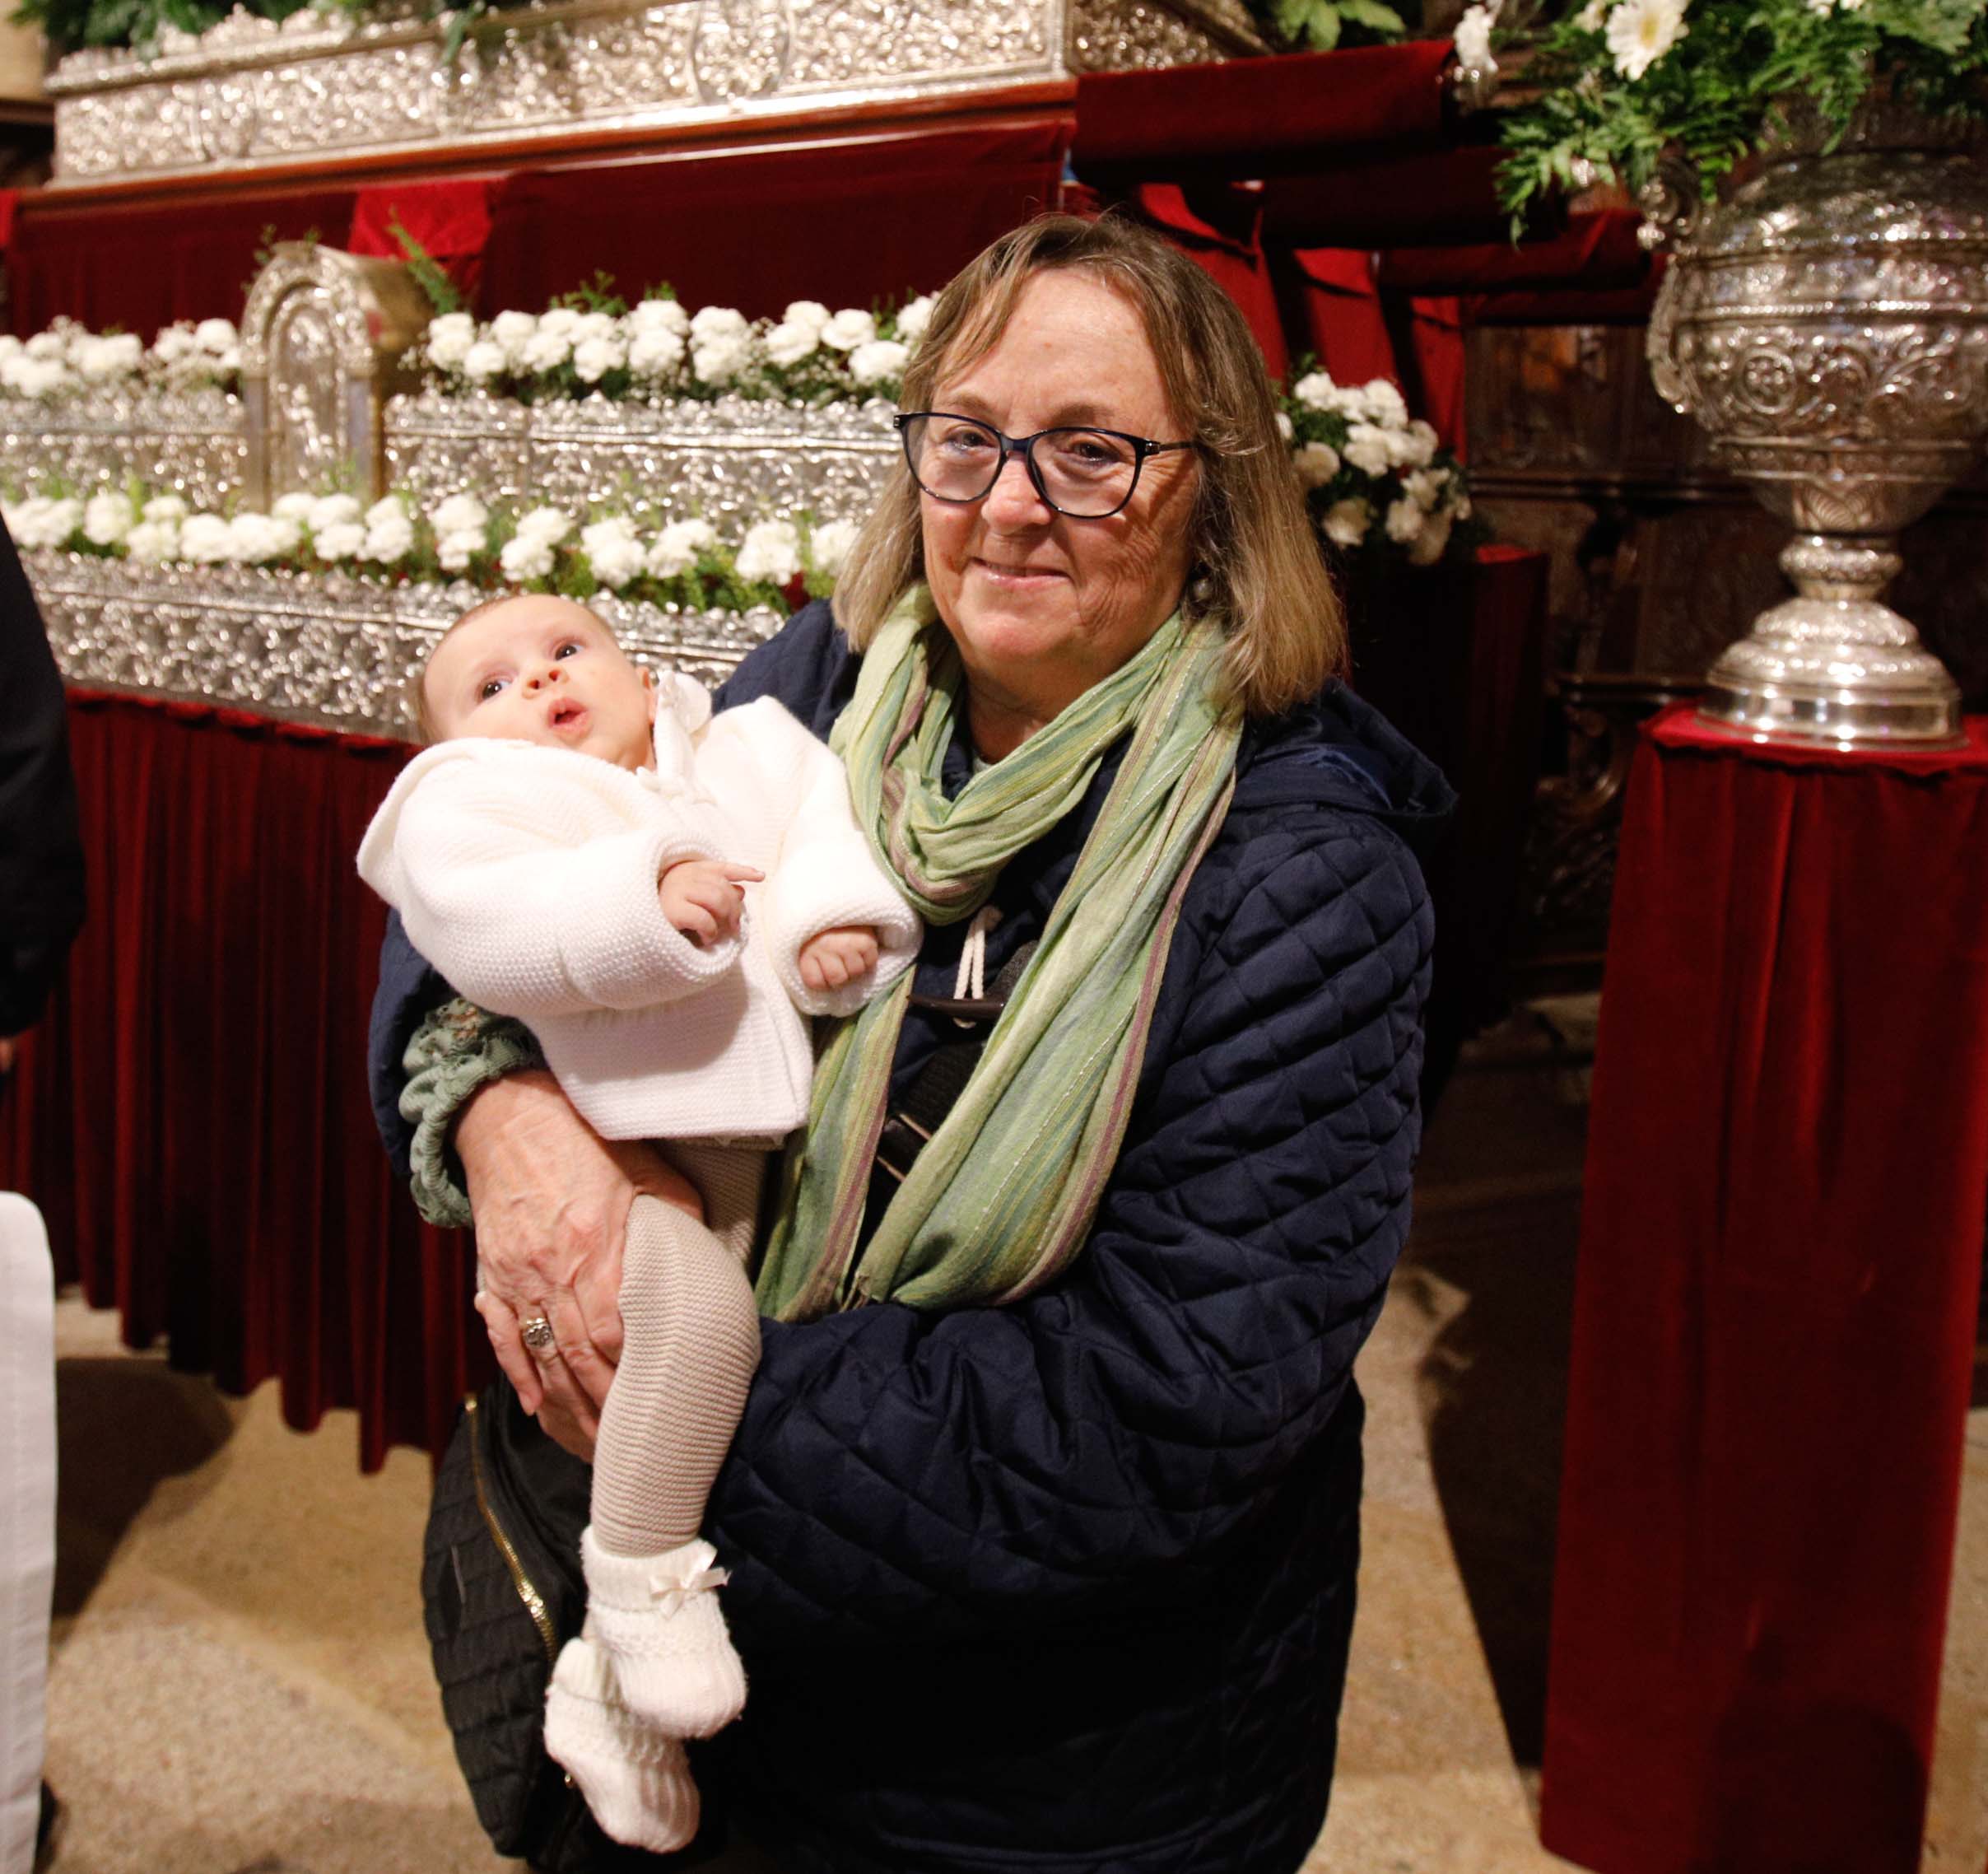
(1828, 325)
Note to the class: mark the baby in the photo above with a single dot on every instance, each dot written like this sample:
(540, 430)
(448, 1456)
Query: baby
(663, 895)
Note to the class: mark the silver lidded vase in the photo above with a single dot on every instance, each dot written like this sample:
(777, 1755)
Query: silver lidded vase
(1828, 325)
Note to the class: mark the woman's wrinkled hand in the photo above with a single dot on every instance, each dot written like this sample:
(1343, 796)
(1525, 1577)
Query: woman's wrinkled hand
(551, 1199)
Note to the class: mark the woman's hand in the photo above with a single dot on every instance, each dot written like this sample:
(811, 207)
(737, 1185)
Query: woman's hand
(551, 1199)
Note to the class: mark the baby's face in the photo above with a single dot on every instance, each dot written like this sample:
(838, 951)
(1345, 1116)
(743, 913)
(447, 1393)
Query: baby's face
(541, 670)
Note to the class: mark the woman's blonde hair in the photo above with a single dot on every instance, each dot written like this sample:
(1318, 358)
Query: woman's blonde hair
(1255, 560)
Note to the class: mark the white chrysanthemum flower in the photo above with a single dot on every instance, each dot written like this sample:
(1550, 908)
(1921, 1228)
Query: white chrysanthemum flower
(215, 336)
(173, 343)
(712, 322)
(1425, 487)
(1404, 521)
(547, 350)
(561, 321)
(512, 331)
(296, 507)
(43, 522)
(171, 508)
(594, 357)
(153, 541)
(655, 351)
(912, 320)
(848, 329)
(659, 315)
(1347, 522)
(65, 518)
(676, 548)
(485, 359)
(593, 325)
(458, 514)
(389, 538)
(810, 313)
(879, 361)
(1316, 463)
(613, 551)
(47, 345)
(527, 557)
(334, 511)
(1386, 405)
(1473, 38)
(388, 507)
(207, 540)
(37, 377)
(114, 355)
(1315, 390)
(342, 540)
(1367, 450)
(1640, 32)
(108, 516)
(449, 339)
(455, 551)
(828, 547)
(720, 359)
(1426, 547)
(551, 524)
(770, 550)
(791, 341)
(255, 539)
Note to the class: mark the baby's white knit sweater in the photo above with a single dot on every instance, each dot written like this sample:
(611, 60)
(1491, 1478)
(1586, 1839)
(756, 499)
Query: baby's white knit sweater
(527, 875)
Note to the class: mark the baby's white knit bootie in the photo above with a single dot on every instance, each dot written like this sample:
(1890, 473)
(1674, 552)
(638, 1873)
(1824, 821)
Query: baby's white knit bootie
(635, 1776)
(656, 1620)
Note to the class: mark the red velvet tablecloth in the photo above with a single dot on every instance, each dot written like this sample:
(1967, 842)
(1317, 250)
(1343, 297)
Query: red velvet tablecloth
(1776, 1311)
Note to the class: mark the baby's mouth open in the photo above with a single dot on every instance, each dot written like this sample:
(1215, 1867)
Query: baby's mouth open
(566, 714)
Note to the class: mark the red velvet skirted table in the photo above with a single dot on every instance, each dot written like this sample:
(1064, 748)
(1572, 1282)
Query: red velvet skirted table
(1775, 1315)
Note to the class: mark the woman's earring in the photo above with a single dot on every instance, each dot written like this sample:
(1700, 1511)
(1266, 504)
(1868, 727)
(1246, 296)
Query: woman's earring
(1201, 589)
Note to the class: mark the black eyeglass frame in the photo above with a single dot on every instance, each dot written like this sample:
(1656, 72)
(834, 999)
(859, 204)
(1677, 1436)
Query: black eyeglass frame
(1143, 446)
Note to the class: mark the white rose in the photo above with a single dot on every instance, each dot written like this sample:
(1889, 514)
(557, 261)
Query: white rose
(678, 546)
(206, 539)
(1366, 448)
(388, 507)
(387, 539)
(720, 360)
(1405, 449)
(770, 550)
(64, 517)
(561, 321)
(828, 547)
(215, 336)
(790, 341)
(809, 313)
(108, 517)
(912, 320)
(594, 358)
(485, 359)
(1428, 547)
(151, 541)
(547, 350)
(512, 331)
(1640, 32)
(1386, 405)
(1316, 463)
(527, 557)
(1350, 402)
(1404, 521)
(612, 551)
(295, 507)
(459, 514)
(659, 315)
(1427, 442)
(593, 325)
(548, 524)
(455, 551)
(173, 343)
(1314, 391)
(165, 507)
(1425, 488)
(32, 377)
(1473, 37)
(342, 540)
(848, 329)
(47, 345)
(1347, 522)
(656, 351)
(879, 360)
(333, 510)
(713, 322)
(449, 339)
(101, 360)
(255, 538)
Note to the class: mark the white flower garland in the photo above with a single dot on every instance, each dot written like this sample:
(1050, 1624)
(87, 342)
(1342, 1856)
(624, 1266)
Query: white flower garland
(67, 360)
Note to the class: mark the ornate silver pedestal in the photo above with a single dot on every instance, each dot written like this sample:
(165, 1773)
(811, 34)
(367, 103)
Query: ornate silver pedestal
(1828, 326)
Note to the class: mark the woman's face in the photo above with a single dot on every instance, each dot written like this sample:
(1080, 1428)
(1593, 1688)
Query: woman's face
(1042, 606)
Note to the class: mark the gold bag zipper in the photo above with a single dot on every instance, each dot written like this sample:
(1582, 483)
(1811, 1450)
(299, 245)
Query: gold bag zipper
(534, 1602)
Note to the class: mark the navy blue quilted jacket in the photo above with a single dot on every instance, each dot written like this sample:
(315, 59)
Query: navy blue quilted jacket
(1066, 1587)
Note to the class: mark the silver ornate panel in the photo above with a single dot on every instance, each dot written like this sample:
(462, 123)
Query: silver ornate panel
(328, 649)
(249, 92)
(731, 460)
(193, 441)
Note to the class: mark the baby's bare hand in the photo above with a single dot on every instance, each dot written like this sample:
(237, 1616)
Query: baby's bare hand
(830, 958)
(704, 899)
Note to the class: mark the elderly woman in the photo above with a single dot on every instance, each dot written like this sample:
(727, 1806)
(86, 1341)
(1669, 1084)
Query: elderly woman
(1042, 1519)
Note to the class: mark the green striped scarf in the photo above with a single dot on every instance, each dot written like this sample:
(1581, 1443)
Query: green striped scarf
(1003, 1196)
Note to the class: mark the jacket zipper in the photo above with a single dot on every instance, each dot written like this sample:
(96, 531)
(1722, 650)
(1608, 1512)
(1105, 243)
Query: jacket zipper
(534, 1602)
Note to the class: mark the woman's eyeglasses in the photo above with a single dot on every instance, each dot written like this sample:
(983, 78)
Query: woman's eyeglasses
(1087, 474)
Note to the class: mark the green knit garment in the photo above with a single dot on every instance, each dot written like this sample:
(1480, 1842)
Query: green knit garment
(1003, 1196)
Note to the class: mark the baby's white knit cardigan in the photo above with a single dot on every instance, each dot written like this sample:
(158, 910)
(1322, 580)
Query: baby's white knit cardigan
(527, 875)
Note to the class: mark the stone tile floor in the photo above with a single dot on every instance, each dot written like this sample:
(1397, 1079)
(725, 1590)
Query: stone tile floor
(240, 1684)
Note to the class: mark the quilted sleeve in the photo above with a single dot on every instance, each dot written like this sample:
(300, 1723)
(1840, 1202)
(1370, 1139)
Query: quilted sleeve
(904, 1473)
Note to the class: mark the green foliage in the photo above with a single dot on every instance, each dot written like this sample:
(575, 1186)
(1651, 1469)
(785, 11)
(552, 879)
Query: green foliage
(71, 24)
(1319, 25)
(598, 294)
(1727, 82)
(429, 273)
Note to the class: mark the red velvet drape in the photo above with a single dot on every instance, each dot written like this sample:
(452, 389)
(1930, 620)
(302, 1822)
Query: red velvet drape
(1775, 1312)
(192, 1115)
